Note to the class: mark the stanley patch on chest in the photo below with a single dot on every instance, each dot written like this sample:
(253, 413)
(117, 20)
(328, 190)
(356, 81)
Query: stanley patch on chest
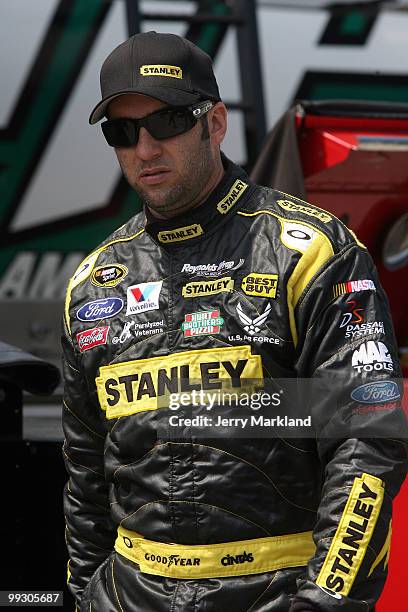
(222, 285)
(144, 384)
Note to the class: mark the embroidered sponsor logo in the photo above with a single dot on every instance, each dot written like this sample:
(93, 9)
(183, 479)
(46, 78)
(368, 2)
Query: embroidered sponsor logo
(375, 407)
(84, 269)
(212, 270)
(237, 559)
(143, 297)
(232, 196)
(135, 386)
(253, 326)
(100, 309)
(354, 325)
(297, 236)
(180, 233)
(108, 276)
(352, 286)
(305, 209)
(372, 356)
(132, 329)
(376, 392)
(92, 337)
(353, 535)
(202, 323)
(222, 285)
(260, 285)
(163, 70)
(172, 560)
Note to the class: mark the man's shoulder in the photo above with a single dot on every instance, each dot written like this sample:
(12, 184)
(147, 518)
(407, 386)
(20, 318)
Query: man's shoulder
(106, 256)
(289, 209)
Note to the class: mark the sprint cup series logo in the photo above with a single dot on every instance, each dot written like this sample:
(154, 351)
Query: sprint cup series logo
(202, 323)
(143, 297)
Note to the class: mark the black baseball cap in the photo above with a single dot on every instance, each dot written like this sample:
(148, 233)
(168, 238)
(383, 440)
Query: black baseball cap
(164, 66)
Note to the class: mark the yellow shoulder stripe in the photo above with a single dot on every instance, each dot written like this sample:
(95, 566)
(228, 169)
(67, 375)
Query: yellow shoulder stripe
(84, 271)
(315, 251)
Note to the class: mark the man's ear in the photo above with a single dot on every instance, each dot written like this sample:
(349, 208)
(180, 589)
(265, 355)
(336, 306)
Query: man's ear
(217, 123)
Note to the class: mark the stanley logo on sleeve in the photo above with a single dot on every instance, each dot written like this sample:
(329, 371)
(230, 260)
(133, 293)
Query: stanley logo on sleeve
(353, 535)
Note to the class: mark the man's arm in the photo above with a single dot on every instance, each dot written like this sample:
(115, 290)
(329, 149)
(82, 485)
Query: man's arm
(89, 530)
(361, 439)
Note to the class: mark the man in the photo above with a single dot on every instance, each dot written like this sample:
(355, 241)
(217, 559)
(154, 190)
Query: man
(216, 283)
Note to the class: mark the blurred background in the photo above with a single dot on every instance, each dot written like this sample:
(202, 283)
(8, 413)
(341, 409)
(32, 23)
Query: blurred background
(317, 94)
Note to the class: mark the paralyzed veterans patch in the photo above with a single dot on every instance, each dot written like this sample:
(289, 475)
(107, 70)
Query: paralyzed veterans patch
(92, 337)
(208, 287)
(180, 233)
(109, 275)
(202, 323)
(135, 386)
(353, 535)
(143, 297)
(260, 285)
(232, 196)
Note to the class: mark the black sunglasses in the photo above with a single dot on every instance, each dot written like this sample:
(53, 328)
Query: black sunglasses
(164, 123)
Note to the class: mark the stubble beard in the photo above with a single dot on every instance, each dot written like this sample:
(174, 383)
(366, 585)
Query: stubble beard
(198, 169)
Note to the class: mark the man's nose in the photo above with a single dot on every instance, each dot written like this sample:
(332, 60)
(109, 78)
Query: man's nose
(147, 147)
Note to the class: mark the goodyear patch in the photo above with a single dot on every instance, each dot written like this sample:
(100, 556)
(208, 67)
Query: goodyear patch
(139, 385)
(108, 275)
(180, 233)
(232, 196)
(260, 285)
(221, 285)
(353, 535)
(305, 209)
(162, 70)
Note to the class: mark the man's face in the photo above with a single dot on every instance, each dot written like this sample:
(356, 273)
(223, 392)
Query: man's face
(170, 175)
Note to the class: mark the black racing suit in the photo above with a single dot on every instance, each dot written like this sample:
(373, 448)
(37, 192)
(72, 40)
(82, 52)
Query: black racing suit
(253, 283)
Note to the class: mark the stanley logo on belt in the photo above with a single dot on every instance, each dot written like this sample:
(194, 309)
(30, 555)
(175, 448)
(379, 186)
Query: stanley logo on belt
(180, 233)
(222, 285)
(353, 535)
(135, 386)
(161, 70)
(305, 209)
(260, 285)
(232, 196)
